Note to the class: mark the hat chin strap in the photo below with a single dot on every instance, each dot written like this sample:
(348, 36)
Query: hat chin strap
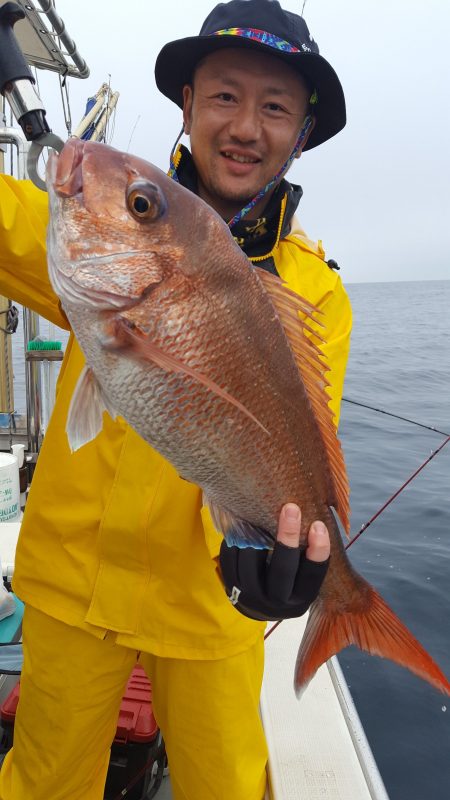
(172, 173)
(301, 138)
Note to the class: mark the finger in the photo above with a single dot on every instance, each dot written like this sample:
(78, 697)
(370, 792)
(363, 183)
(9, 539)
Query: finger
(289, 525)
(310, 577)
(318, 542)
(282, 570)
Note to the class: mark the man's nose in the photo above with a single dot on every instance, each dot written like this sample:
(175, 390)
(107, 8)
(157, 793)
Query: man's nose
(245, 124)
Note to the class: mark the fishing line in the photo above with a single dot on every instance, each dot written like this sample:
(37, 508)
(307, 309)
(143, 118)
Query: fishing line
(396, 494)
(397, 416)
(383, 508)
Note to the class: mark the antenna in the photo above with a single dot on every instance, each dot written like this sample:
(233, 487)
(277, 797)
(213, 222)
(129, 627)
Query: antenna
(132, 132)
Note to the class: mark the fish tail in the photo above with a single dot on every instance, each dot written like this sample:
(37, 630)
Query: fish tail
(372, 627)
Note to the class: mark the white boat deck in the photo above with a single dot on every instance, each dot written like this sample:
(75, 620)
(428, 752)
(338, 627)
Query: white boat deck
(317, 746)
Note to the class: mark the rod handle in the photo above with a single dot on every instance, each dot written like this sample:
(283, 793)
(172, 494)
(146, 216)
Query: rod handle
(13, 65)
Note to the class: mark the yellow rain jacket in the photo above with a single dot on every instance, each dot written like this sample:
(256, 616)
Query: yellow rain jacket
(112, 538)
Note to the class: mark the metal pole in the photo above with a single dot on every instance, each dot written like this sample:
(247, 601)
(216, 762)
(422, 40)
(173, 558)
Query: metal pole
(86, 121)
(33, 387)
(6, 374)
(15, 136)
(98, 133)
(48, 7)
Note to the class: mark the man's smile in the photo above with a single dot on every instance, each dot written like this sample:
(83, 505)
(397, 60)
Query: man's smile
(242, 158)
(238, 163)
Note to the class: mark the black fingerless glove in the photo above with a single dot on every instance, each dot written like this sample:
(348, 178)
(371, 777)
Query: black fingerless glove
(271, 585)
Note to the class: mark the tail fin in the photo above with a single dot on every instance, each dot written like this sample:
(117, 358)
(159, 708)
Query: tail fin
(376, 629)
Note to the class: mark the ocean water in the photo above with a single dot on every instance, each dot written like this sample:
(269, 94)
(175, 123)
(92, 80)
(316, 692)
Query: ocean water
(400, 361)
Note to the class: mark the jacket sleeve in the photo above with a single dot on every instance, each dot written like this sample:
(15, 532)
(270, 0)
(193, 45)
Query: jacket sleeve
(337, 321)
(23, 260)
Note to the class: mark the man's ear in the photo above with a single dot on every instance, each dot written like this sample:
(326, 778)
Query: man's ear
(188, 96)
(311, 128)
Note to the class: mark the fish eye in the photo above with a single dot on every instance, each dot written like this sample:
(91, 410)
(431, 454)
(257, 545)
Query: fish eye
(145, 201)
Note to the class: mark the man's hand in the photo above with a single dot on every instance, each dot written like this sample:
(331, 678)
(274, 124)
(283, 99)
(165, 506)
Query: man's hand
(279, 584)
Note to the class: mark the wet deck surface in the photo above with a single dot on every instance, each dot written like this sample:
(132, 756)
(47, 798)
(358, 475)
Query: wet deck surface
(165, 792)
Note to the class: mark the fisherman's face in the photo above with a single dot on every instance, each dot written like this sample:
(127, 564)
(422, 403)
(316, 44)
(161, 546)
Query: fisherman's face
(243, 114)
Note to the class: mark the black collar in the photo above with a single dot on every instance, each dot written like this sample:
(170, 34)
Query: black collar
(257, 238)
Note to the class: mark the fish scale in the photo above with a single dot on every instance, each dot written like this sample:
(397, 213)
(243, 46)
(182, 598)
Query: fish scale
(217, 366)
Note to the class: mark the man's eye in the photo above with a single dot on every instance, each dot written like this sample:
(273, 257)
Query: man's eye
(226, 96)
(274, 107)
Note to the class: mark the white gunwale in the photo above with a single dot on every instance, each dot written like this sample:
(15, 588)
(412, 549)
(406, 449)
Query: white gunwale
(317, 745)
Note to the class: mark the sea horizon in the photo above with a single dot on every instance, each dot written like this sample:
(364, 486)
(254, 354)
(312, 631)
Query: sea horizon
(412, 280)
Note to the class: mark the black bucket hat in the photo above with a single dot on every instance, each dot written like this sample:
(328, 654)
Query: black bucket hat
(264, 26)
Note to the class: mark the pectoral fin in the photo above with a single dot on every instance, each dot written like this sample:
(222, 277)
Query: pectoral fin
(85, 417)
(238, 532)
(142, 347)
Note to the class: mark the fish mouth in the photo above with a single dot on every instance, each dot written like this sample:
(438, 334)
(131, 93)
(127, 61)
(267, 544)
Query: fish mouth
(65, 184)
(65, 170)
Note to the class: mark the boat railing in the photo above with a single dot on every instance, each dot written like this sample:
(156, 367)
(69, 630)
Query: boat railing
(15, 137)
(46, 42)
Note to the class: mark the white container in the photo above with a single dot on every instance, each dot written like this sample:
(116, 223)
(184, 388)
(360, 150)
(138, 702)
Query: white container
(18, 450)
(9, 488)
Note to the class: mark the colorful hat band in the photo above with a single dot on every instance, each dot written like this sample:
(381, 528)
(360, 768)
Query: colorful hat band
(259, 36)
(269, 39)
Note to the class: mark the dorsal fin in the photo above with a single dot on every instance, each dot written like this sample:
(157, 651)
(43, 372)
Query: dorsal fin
(295, 313)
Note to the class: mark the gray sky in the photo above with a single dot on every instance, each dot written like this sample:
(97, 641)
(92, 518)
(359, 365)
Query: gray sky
(378, 193)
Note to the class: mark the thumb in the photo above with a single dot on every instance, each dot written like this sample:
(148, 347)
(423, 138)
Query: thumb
(289, 525)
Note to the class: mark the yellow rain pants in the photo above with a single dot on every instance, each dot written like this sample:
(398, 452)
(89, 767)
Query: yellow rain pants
(75, 683)
(114, 540)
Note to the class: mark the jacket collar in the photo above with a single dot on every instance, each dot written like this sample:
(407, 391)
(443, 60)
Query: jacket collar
(257, 238)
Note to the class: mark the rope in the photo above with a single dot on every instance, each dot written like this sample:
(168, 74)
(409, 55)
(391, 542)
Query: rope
(108, 98)
(64, 89)
(113, 125)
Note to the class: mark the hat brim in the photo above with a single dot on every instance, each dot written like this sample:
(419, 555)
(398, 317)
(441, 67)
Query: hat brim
(177, 60)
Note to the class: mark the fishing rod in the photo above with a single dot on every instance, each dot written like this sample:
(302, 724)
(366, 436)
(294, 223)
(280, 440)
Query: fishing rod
(396, 494)
(411, 477)
(17, 85)
(388, 501)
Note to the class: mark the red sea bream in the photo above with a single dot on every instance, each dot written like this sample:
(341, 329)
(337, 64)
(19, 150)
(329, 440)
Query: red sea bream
(217, 365)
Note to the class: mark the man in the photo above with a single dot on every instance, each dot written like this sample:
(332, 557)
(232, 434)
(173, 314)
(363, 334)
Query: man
(116, 554)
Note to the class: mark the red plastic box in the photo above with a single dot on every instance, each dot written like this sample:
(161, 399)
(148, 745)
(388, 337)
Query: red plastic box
(9, 707)
(136, 722)
(137, 747)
